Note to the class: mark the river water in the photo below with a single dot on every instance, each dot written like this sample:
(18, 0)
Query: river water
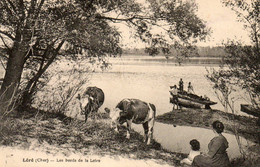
(148, 79)
(177, 138)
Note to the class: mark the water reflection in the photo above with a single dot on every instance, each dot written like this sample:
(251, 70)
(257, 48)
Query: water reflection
(176, 139)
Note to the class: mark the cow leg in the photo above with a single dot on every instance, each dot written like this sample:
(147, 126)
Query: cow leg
(145, 126)
(129, 124)
(116, 128)
(86, 117)
(87, 110)
(81, 109)
(150, 131)
(94, 115)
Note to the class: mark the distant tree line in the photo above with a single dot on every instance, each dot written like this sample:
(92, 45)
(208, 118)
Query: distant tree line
(218, 51)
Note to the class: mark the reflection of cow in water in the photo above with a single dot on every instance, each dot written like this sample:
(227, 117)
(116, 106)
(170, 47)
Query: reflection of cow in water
(134, 111)
(95, 100)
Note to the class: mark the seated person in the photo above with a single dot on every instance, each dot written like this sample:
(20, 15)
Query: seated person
(217, 155)
(195, 147)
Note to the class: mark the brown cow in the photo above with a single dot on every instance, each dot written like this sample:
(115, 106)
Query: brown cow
(95, 97)
(134, 111)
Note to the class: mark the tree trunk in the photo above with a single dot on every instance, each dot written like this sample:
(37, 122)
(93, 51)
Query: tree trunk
(19, 50)
(14, 68)
(13, 75)
(31, 85)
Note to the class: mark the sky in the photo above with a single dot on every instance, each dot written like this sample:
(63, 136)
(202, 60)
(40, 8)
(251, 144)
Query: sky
(220, 19)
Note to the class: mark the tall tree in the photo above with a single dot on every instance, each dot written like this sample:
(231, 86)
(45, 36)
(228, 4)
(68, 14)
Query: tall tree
(241, 65)
(35, 33)
(242, 62)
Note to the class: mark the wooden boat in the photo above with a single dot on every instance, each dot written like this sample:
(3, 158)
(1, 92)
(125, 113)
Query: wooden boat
(187, 103)
(190, 100)
(250, 109)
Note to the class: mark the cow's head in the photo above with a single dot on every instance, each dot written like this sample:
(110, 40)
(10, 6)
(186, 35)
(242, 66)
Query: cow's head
(82, 102)
(117, 117)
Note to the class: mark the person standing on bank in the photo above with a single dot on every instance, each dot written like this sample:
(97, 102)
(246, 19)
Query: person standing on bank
(181, 85)
(217, 155)
(174, 93)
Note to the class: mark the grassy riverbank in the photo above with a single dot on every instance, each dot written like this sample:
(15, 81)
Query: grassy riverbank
(57, 134)
(25, 135)
(246, 126)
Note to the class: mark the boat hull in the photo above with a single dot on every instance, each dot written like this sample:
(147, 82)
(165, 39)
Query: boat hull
(187, 103)
(191, 101)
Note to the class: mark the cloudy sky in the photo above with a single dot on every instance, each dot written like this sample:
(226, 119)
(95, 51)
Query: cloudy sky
(222, 22)
(219, 18)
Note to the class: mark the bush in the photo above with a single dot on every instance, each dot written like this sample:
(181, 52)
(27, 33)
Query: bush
(59, 95)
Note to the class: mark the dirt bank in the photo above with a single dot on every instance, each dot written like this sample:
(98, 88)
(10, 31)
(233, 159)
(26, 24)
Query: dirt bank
(60, 136)
(246, 126)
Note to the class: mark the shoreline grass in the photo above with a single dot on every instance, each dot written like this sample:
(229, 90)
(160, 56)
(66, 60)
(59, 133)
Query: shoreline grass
(56, 133)
(67, 135)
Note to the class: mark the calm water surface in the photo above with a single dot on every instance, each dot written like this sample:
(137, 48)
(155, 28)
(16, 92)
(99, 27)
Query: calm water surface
(150, 81)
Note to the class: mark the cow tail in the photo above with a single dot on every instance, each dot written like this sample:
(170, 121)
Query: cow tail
(153, 108)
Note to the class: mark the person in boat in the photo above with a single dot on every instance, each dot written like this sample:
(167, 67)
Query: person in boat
(217, 155)
(206, 98)
(190, 88)
(181, 85)
(195, 150)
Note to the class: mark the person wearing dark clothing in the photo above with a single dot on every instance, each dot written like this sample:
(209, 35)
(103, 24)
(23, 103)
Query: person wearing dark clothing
(217, 155)
(181, 85)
